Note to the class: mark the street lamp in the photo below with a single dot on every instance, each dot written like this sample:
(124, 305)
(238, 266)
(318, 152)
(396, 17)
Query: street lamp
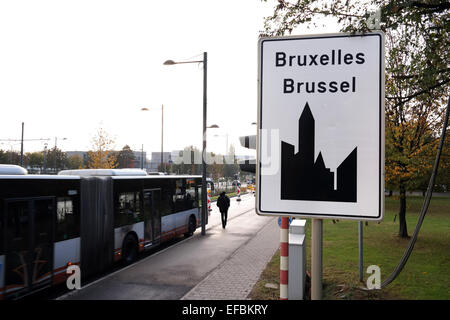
(204, 196)
(162, 132)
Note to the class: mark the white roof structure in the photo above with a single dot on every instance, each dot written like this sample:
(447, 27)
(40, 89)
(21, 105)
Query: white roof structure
(103, 172)
(11, 169)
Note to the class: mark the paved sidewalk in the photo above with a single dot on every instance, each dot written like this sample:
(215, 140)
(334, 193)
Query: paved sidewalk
(236, 276)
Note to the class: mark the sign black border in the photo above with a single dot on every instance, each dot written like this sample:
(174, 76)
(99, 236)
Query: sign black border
(380, 122)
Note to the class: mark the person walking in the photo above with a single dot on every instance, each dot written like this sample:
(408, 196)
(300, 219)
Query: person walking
(223, 202)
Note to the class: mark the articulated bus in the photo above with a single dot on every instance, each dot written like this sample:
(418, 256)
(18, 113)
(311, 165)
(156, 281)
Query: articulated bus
(89, 218)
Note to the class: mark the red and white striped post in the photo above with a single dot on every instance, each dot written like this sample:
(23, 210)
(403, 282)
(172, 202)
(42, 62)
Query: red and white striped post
(209, 200)
(238, 193)
(284, 258)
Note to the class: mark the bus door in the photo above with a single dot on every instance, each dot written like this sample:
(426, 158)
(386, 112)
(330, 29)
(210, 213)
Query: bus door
(28, 232)
(152, 216)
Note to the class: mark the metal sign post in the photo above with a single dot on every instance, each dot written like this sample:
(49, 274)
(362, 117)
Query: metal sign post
(360, 246)
(316, 259)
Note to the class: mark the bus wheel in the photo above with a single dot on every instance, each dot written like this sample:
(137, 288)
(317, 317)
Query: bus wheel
(191, 227)
(129, 249)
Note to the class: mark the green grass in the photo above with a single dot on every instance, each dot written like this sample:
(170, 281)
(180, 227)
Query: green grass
(425, 276)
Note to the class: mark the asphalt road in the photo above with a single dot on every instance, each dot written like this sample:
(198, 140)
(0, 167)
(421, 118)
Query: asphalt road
(171, 273)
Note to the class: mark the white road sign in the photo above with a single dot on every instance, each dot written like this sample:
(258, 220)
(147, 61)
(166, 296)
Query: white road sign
(320, 150)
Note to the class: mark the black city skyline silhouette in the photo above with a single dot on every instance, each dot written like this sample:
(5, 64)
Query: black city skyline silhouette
(302, 178)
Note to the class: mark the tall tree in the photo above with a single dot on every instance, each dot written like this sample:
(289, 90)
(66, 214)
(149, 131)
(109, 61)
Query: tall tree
(102, 156)
(125, 157)
(424, 171)
(56, 159)
(417, 72)
(9, 157)
(4, 159)
(34, 159)
(215, 169)
(75, 162)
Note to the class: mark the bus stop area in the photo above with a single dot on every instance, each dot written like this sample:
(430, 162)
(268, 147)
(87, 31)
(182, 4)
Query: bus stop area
(222, 265)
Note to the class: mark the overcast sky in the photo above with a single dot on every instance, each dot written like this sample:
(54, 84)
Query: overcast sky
(70, 67)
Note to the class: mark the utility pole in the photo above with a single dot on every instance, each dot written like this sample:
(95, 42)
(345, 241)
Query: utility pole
(204, 190)
(21, 147)
(142, 157)
(162, 135)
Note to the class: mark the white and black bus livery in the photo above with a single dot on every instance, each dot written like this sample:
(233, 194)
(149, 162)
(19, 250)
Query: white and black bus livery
(89, 218)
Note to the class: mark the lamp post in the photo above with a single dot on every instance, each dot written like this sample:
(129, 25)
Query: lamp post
(204, 196)
(162, 132)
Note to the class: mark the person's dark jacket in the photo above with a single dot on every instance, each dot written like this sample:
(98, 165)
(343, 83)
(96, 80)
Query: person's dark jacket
(223, 202)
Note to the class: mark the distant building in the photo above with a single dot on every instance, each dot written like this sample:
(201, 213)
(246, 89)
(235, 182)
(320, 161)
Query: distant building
(82, 154)
(140, 159)
(156, 160)
(176, 156)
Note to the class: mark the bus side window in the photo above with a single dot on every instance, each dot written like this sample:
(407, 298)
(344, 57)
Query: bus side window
(67, 219)
(129, 209)
(190, 199)
(180, 195)
(167, 202)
